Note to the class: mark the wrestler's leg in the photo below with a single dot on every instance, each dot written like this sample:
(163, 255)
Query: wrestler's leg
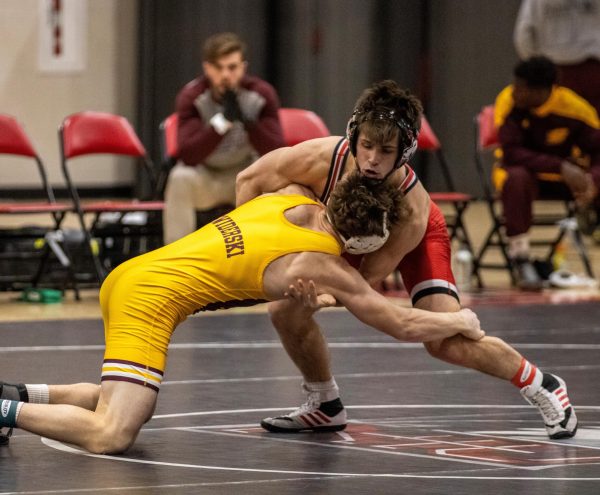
(302, 339)
(429, 280)
(495, 357)
(83, 395)
(122, 410)
(306, 346)
(489, 355)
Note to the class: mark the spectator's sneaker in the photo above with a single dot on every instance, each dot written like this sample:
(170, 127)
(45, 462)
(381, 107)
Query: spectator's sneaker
(526, 275)
(552, 401)
(310, 416)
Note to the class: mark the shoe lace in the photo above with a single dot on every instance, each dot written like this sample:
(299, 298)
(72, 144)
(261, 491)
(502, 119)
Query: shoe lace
(313, 402)
(543, 400)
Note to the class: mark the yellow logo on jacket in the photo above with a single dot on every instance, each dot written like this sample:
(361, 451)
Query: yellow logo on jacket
(557, 136)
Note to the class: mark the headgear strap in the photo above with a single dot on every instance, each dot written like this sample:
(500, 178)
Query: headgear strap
(363, 244)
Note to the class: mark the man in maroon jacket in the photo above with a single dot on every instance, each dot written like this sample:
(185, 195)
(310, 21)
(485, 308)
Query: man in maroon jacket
(550, 141)
(227, 119)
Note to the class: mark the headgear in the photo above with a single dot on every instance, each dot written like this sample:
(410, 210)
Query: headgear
(363, 244)
(407, 135)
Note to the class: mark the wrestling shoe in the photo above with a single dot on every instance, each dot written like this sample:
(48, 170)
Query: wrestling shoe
(313, 415)
(13, 391)
(552, 401)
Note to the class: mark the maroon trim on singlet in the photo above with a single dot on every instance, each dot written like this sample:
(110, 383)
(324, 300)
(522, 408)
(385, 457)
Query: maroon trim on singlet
(235, 303)
(336, 169)
(140, 381)
(133, 363)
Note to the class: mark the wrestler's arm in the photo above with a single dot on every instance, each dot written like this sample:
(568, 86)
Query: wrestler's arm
(337, 278)
(278, 169)
(404, 238)
(379, 264)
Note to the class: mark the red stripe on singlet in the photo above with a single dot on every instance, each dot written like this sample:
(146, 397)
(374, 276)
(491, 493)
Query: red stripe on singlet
(409, 181)
(336, 168)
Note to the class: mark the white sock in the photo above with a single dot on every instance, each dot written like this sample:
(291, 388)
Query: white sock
(38, 393)
(18, 411)
(518, 246)
(327, 390)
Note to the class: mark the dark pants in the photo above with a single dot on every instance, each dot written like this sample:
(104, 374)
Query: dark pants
(521, 188)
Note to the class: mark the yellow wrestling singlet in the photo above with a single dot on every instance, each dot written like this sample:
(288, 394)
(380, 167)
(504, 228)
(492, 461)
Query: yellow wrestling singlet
(219, 266)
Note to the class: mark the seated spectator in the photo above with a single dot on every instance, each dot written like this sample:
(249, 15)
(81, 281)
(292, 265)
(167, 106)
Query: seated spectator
(568, 33)
(550, 141)
(227, 119)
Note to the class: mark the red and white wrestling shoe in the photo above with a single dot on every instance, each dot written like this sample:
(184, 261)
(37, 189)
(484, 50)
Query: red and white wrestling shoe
(552, 401)
(313, 415)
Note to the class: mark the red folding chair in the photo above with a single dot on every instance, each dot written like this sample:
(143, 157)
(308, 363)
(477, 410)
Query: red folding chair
(169, 154)
(300, 125)
(486, 142)
(92, 133)
(14, 141)
(458, 201)
(169, 150)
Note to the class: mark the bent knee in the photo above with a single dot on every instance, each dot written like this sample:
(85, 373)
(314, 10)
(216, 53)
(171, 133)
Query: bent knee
(181, 173)
(278, 314)
(445, 349)
(181, 179)
(433, 347)
(289, 316)
(111, 439)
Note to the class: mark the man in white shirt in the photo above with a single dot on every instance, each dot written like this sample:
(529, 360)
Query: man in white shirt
(568, 33)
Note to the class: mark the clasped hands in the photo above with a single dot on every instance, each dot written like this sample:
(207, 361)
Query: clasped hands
(579, 182)
(231, 107)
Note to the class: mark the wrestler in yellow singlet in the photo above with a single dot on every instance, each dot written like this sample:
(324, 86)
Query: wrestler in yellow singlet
(221, 265)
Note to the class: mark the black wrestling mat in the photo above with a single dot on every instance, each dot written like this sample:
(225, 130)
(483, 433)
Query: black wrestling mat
(417, 425)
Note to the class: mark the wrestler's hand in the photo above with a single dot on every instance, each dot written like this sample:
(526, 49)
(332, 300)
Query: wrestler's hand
(306, 294)
(471, 323)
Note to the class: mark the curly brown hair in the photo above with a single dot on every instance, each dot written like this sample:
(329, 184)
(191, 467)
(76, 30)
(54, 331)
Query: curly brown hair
(357, 205)
(387, 95)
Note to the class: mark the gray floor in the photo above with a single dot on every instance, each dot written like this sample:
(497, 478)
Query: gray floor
(418, 425)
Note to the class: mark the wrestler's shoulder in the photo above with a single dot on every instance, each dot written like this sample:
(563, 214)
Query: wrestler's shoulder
(315, 151)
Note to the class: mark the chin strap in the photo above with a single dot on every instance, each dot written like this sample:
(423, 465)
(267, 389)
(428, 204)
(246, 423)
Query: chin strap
(366, 243)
